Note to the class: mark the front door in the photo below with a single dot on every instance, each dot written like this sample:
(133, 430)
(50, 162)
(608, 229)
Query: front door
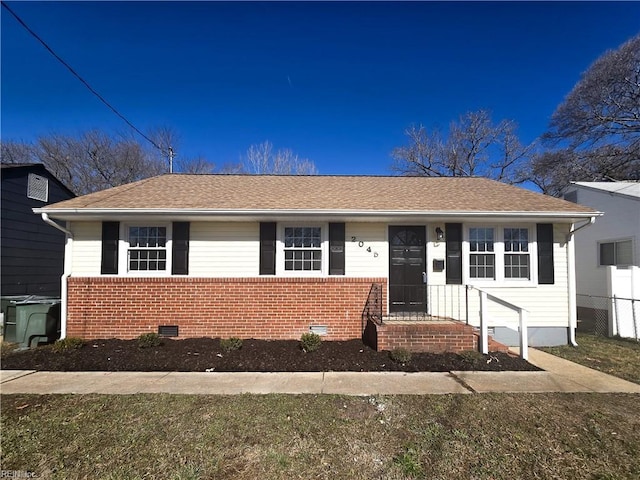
(407, 289)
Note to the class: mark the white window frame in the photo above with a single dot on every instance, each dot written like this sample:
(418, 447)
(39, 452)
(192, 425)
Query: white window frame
(492, 253)
(518, 253)
(499, 252)
(324, 242)
(614, 242)
(123, 253)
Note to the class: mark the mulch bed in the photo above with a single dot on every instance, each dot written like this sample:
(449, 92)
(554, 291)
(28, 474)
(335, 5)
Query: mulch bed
(205, 354)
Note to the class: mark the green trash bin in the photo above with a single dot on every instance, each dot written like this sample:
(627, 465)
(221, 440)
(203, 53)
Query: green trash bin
(32, 320)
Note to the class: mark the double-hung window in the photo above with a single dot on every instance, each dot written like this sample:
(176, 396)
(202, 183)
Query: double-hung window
(147, 249)
(303, 248)
(482, 257)
(501, 254)
(516, 253)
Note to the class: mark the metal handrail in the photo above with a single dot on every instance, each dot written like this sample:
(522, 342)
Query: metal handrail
(373, 307)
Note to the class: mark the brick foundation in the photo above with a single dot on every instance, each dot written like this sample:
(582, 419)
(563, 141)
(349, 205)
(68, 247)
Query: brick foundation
(266, 308)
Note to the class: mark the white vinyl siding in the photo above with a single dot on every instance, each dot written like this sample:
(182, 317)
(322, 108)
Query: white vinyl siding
(87, 248)
(366, 250)
(548, 305)
(224, 249)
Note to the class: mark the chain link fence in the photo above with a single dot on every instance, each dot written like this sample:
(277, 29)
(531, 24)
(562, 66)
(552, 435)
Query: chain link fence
(609, 316)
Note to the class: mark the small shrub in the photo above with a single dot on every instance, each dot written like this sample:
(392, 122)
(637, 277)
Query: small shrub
(230, 344)
(148, 340)
(310, 342)
(67, 344)
(400, 355)
(472, 357)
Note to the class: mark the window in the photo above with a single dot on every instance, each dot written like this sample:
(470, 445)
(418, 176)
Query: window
(147, 248)
(303, 248)
(482, 259)
(500, 254)
(618, 253)
(516, 253)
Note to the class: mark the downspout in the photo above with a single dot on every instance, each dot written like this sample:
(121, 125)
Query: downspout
(68, 246)
(571, 266)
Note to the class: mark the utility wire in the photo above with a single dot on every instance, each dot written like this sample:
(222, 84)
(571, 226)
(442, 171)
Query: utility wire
(84, 82)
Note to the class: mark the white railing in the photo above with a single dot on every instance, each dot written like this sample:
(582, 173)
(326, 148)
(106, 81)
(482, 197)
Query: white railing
(485, 297)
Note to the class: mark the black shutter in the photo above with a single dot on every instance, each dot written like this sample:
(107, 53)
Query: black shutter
(545, 254)
(180, 249)
(453, 234)
(110, 236)
(267, 248)
(336, 249)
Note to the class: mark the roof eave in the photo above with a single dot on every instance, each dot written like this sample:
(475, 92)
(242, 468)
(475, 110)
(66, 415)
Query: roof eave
(89, 213)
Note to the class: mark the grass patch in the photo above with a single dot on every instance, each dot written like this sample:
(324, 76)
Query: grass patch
(615, 356)
(493, 436)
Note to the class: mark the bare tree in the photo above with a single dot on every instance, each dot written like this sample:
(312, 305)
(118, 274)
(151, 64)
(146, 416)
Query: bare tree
(262, 159)
(594, 134)
(16, 152)
(473, 146)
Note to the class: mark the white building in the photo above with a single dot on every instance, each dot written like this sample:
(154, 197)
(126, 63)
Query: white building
(612, 240)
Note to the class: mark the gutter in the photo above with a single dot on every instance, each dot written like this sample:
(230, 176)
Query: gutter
(68, 247)
(571, 260)
(68, 213)
(46, 219)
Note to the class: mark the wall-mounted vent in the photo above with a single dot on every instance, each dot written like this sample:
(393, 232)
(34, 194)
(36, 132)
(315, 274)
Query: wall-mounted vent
(168, 330)
(318, 329)
(38, 187)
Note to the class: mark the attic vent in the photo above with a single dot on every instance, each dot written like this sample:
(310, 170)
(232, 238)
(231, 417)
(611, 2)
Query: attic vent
(38, 187)
(168, 330)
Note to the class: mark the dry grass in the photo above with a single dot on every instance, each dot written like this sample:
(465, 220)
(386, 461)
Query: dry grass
(501, 436)
(615, 356)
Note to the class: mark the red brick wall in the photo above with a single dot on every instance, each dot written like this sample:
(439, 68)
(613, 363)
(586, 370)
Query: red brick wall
(266, 308)
(427, 337)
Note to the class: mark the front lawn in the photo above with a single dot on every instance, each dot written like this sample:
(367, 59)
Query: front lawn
(493, 436)
(615, 356)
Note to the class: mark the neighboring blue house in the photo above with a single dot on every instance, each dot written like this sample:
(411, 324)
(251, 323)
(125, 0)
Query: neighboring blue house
(32, 252)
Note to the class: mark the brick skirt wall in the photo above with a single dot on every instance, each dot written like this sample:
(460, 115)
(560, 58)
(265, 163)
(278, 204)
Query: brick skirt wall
(426, 337)
(265, 308)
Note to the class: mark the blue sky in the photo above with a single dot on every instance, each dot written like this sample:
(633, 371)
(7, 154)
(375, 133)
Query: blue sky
(336, 82)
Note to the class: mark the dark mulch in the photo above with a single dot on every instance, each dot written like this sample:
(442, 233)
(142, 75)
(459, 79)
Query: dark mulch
(202, 354)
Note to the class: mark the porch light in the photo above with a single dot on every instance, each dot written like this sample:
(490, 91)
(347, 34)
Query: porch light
(439, 234)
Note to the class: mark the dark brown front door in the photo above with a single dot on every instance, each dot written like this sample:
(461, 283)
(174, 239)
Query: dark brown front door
(407, 290)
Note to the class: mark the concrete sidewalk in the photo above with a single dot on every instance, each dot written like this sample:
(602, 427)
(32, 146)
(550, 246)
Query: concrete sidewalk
(559, 376)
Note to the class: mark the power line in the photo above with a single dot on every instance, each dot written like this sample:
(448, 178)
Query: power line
(83, 81)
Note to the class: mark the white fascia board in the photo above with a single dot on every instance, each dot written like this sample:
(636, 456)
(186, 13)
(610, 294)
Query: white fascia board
(362, 215)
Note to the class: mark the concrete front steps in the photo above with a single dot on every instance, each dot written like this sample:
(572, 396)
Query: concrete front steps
(429, 335)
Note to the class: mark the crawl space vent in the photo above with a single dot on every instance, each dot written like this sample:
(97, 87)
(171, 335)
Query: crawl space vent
(168, 330)
(38, 187)
(318, 329)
